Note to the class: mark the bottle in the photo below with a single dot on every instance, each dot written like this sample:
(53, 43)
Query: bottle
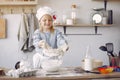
(88, 61)
(64, 18)
(105, 16)
(73, 13)
(110, 17)
(104, 20)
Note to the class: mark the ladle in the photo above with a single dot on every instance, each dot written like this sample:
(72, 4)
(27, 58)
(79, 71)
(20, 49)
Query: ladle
(103, 48)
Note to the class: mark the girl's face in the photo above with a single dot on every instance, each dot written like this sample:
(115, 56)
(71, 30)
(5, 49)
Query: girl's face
(46, 22)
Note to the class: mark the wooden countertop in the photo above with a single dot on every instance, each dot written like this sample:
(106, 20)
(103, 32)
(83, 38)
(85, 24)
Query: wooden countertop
(69, 75)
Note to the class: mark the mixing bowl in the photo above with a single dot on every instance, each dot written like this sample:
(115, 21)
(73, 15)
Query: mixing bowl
(51, 65)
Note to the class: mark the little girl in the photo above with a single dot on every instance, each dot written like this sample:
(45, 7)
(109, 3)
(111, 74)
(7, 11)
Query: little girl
(47, 34)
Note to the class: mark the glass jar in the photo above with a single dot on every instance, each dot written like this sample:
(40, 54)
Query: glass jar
(88, 61)
(74, 13)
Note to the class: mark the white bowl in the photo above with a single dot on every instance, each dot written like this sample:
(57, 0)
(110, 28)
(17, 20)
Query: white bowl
(96, 63)
(51, 65)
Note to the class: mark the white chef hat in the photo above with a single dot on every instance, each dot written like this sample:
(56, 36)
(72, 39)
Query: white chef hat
(45, 10)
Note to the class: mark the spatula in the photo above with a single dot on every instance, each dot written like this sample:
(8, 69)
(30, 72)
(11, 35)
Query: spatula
(109, 47)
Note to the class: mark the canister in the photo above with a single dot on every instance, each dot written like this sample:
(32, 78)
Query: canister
(104, 20)
(88, 64)
(69, 22)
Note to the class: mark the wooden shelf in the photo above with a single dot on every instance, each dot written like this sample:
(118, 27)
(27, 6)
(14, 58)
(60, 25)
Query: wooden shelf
(82, 25)
(18, 2)
(107, 0)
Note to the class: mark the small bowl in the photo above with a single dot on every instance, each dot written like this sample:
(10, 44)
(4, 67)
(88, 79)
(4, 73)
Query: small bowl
(105, 70)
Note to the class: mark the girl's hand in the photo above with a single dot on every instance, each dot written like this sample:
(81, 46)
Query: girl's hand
(42, 43)
(64, 47)
(53, 52)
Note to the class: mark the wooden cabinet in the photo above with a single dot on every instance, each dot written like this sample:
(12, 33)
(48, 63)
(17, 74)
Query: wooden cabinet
(18, 2)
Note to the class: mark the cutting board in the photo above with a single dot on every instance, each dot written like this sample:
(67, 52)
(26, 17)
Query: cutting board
(2, 28)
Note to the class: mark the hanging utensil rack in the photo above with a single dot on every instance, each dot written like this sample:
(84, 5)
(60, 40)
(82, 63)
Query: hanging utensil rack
(17, 6)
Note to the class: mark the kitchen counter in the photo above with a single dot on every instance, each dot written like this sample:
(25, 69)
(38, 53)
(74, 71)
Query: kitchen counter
(67, 73)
